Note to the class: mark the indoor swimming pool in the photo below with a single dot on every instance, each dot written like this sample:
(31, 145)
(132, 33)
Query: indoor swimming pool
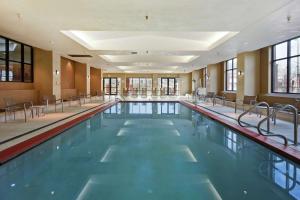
(149, 151)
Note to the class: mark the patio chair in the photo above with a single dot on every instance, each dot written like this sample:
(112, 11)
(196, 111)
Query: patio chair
(52, 100)
(277, 106)
(210, 96)
(11, 107)
(144, 92)
(247, 101)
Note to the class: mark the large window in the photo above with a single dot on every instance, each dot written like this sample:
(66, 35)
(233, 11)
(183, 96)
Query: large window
(16, 61)
(231, 74)
(140, 84)
(286, 67)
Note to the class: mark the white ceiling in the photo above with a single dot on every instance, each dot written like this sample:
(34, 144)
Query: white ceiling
(178, 36)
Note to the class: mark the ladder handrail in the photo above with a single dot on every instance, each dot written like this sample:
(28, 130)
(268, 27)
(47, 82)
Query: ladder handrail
(295, 112)
(252, 108)
(259, 124)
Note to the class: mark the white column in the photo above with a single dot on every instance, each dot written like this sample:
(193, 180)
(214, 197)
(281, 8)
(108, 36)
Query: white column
(88, 78)
(56, 75)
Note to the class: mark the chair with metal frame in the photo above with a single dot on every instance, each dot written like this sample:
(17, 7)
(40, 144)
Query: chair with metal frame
(11, 107)
(210, 96)
(47, 100)
(144, 93)
(247, 101)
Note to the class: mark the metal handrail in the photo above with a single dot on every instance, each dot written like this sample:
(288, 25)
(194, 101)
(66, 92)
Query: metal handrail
(295, 112)
(252, 108)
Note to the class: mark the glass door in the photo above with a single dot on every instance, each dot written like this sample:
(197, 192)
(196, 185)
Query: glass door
(113, 86)
(168, 86)
(171, 86)
(164, 86)
(110, 86)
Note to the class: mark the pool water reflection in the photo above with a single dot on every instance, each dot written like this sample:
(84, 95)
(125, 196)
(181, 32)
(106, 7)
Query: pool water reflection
(149, 151)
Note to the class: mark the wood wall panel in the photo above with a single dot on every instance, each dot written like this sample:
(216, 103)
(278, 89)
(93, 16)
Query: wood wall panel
(18, 96)
(43, 74)
(95, 80)
(80, 78)
(67, 73)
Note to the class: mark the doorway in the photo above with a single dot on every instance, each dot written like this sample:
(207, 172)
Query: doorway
(168, 86)
(110, 86)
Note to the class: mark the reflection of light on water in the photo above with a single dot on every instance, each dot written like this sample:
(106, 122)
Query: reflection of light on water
(213, 190)
(107, 155)
(121, 132)
(188, 152)
(85, 190)
(176, 132)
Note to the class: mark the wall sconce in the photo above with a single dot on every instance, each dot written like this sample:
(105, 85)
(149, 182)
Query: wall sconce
(240, 73)
(56, 72)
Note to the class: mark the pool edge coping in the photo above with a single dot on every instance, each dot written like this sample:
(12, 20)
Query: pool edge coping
(23, 146)
(286, 151)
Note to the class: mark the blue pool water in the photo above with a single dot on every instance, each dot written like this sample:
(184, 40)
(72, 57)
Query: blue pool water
(149, 151)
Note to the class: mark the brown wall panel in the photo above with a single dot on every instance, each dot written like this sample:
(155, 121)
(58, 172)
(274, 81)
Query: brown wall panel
(67, 73)
(43, 73)
(80, 78)
(95, 80)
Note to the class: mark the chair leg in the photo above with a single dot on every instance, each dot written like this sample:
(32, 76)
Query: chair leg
(25, 115)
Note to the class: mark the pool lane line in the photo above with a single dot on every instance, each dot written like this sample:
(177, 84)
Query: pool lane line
(22, 147)
(286, 151)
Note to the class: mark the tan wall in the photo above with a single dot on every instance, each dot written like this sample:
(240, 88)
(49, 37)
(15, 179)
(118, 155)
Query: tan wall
(43, 74)
(215, 83)
(256, 66)
(249, 82)
(265, 70)
(16, 86)
(67, 73)
(80, 77)
(42, 85)
(73, 78)
(95, 80)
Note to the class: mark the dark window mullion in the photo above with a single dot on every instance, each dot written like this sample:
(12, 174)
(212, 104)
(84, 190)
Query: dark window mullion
(232, 75)
(22, 63)
(288, 66)
(7, 59)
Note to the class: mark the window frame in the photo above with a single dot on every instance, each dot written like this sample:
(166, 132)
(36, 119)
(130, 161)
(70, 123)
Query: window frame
(7, 60)
(232, 77)
(288, 60)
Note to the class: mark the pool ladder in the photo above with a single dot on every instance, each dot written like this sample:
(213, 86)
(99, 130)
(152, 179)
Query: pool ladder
(271, 116)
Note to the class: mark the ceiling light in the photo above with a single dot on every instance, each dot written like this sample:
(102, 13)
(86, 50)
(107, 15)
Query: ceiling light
(123, 67)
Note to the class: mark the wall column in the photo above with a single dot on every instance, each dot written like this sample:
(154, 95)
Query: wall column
(88, 79)
(249, 82)
(56, 75)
